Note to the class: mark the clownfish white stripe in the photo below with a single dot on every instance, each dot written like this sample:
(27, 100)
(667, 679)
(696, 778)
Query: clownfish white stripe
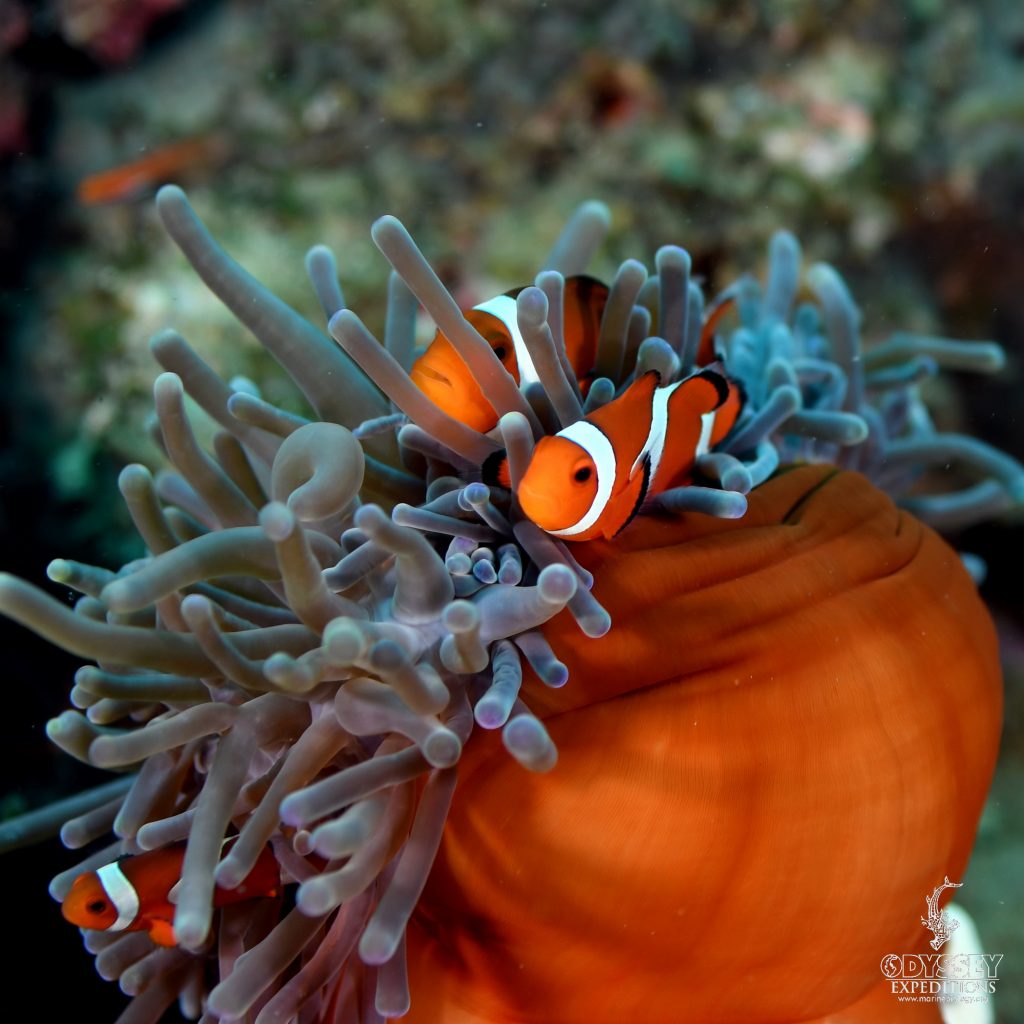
(654, 447)
(707, 426)
(594, 442)
(122, 894)
(504, 308)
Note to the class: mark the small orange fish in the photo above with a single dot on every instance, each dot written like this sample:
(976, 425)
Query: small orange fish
(148, 172)
(590, 479)
(445, 379)
(132, 894)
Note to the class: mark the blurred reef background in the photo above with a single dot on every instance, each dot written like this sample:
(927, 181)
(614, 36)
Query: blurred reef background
(888, 137)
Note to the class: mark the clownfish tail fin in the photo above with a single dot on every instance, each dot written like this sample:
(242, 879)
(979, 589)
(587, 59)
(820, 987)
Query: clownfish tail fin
(494, 471)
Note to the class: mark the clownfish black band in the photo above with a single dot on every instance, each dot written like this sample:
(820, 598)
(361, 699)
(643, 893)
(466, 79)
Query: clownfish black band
(720, 383)
(491, 468)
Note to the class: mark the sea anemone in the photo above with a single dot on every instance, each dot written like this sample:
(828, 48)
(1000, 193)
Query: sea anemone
(783, 689)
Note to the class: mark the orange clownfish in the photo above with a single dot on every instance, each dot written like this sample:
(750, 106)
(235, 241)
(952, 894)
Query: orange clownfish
(132, 894)
(590, 479)
(445, 379)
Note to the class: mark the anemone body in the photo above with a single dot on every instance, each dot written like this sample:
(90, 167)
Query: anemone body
(752, 803)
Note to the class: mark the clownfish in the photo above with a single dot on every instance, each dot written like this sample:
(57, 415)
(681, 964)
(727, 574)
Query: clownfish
(132, 894)
(445, 379)
(590, 479)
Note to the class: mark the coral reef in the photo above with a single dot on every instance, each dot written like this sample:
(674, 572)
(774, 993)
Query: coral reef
(333, 618)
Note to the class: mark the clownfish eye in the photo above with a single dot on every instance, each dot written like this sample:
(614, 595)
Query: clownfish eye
(97, 907)
(582, 475)
(500, 351)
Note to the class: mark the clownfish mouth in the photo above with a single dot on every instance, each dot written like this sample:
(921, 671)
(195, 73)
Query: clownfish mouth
(434, 375)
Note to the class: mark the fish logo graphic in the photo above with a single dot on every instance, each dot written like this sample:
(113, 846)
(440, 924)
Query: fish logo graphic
(940, 922)
(960, 979)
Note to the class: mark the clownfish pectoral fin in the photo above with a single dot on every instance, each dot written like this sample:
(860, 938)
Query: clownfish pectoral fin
(494, 471)
(162, 932)
(632, 500)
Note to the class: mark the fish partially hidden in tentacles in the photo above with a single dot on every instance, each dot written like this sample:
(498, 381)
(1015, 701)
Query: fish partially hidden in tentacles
(132, 894)
(445, 379)
(442, 375)
(590, 479)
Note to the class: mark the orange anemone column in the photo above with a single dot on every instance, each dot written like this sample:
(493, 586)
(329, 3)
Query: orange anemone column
(777, 752)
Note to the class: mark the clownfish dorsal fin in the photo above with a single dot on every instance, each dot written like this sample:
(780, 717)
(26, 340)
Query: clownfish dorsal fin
(494, 471)
(587, 293)
(714, 375)
(727, 387)
(638, 396)
(650, 378)
(585, 281)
